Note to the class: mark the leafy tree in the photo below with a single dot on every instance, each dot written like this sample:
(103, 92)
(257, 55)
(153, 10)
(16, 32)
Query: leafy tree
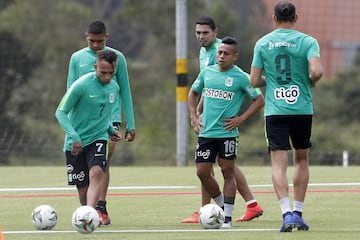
(346, 85)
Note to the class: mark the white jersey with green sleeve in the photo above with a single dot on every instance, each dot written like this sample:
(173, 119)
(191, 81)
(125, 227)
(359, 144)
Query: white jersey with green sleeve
(223, 94)
(85, 110)
(208, 57)
(283, 55)
(82, 62)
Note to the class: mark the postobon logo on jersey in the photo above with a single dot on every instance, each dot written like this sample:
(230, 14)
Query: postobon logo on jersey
(219, 94)
(290, 95)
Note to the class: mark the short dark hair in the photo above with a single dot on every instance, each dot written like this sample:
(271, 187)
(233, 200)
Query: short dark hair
(97, 27)
(229, 40)
(285, 11)
(206, 20)
(107, 55)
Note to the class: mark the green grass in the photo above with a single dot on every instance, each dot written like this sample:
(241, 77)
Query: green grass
(331, 214)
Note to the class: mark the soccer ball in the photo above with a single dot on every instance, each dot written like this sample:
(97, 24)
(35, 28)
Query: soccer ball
(85, 219)
(44, 217)
(211, 216)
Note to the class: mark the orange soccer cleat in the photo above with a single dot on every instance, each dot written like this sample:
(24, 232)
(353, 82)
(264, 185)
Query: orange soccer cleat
(193, 219)
(251, 213)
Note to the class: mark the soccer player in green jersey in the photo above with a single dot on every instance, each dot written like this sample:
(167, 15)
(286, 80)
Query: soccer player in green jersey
(206, 32)
(291, 63)
(223, 86)
(85, 115)
(82, 62)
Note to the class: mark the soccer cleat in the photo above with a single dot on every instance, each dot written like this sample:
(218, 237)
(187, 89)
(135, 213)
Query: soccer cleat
(251, 213)
(226, 225)
(100, 216)
(299, 223)
(288, 223)
(103, 217)
(193, 219)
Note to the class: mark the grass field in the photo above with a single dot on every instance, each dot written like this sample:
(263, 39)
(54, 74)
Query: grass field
(149, 203)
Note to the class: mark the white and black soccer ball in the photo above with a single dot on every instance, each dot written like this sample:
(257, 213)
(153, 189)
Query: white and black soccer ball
(211, 216)
(44, 217)
(85, 219)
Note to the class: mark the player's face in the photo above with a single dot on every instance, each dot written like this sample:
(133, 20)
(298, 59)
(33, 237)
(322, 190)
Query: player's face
(205, 35)
(226, 56)
(96, 42)
(104, 71)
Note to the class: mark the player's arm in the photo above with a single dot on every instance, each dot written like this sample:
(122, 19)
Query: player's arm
(256, 77)
(315, 70)
(255, 107)
(195, 119)
(72, 72)
(126, 97)
(62, 111)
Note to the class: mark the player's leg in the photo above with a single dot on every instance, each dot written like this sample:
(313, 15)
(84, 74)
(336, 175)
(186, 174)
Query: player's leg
(96, 175)
(227, 149)
(253, 208)
(229, 189)
(300, 136)
(277, 132)
(96, 160)
(300, 180)
(78, 174)
(205, 199)
(279, 160)
(101, 204)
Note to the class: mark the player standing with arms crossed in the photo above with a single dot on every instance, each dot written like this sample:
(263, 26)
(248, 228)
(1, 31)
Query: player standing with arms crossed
(223, 86)
(82, 62)
(206, 32)
(291, 63)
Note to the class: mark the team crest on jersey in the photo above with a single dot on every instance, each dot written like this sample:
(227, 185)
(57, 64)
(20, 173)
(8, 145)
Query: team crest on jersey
(111, 98)
(229, 81)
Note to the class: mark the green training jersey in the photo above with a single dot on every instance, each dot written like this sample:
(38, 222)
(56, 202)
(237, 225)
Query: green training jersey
(208, 57)
(223, 94)
(82, 62)
(85, 110)
(283, 55)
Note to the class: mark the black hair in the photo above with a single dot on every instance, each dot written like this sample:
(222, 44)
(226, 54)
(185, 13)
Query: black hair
(229, 40)
(97, 27)
(107, 55)
(285, 11)
(206, 20)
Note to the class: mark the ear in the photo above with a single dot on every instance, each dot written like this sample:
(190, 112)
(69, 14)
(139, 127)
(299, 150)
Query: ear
(236, 56)
(216, 31)
(274, 18)
(296, 18)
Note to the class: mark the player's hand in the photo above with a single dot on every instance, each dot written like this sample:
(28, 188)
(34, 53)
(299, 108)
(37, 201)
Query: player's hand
(130, 135)
(116, 136)
(76, 148)
(196, 123)
(232, 123)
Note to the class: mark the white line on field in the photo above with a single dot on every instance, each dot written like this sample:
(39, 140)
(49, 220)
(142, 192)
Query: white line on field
(147, 231)
(162, 187)
(111, 188)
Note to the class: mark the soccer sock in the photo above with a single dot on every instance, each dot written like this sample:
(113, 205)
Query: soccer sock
(298, 207)
(285, 205)
(219, 199)
(228, 208)
(101, 205)
(252, 203)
